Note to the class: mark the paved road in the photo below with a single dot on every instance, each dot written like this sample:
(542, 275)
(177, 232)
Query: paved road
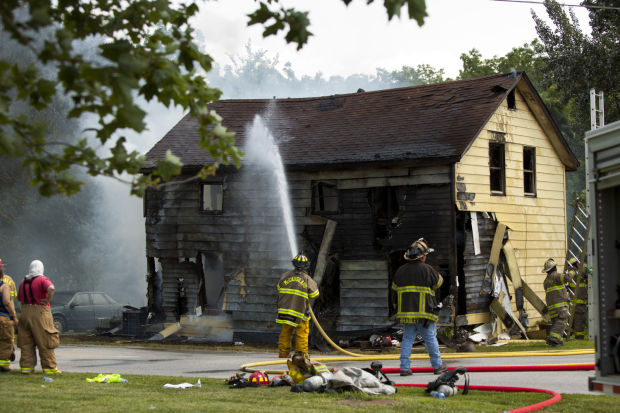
(222, 364)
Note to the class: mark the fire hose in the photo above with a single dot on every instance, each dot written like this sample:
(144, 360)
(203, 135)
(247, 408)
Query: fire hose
(556, 397)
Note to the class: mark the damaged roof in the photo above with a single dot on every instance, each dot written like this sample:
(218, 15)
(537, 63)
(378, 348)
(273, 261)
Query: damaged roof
(419, 124)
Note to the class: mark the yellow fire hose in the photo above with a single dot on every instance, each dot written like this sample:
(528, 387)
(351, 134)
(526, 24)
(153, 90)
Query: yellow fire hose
(249, 367)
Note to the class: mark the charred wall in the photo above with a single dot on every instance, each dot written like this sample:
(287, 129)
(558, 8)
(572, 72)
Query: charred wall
(377, 218)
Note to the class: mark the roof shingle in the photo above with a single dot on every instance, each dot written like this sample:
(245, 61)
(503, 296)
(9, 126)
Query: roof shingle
(435, 123)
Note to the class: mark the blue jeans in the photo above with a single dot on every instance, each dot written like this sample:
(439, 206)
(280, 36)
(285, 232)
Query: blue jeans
(429, 334)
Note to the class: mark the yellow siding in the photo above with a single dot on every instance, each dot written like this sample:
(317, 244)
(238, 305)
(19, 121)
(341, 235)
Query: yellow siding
(536, 225)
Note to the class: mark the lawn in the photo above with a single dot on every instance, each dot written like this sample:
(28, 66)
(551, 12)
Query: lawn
(70, 392)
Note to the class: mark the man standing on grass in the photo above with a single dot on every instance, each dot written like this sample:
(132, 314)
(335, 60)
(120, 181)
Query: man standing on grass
(36, 325)
(415, 284)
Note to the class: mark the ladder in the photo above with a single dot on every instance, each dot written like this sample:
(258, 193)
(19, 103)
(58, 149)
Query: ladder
(577, 249)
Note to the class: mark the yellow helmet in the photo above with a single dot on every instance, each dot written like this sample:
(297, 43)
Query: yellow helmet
(549, 265)
(301, 261)
(417, 250)
(572, 261)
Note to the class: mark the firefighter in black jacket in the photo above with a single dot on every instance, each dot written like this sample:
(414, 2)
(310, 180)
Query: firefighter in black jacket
(415, 284)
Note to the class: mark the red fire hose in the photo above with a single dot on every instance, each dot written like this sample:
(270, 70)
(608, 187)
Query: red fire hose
(556, 397)
(533, 407)
(494, 369)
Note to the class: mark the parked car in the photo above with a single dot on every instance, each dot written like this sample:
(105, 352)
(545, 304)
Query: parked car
(83, 310)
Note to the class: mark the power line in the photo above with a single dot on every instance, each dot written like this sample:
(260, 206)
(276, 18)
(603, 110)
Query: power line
(587, 6)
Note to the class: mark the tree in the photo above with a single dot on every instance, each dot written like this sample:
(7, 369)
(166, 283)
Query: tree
(577, 62)
(144, 50)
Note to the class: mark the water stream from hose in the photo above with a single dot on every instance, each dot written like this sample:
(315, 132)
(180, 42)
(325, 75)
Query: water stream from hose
(262, 150)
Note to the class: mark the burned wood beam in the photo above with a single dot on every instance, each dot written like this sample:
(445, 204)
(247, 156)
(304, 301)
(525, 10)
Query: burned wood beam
(493, 258)
(513, 272)
(321, 262)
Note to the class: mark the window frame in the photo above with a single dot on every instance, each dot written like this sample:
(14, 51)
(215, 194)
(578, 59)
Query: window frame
(501, 168)
(218, 211)
(531, 171)
(318, 195)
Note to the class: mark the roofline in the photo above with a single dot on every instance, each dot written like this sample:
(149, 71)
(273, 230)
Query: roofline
(189, 169)
(548, 124)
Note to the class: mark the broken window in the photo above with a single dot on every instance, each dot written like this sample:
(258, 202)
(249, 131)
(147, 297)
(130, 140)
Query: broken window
(529, 171)
(497, 166)
(212, 197)
(511, 101)
(385, 210)
(324, 197)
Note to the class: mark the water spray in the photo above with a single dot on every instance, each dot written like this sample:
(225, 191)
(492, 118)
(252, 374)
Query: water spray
(262, 150)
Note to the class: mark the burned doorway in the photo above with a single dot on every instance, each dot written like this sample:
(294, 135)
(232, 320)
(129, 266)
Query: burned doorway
(211, 281)
(154, 282)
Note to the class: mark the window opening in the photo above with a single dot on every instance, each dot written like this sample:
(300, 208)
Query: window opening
(212, 197)
(529, 171)
(324, 197)
(385, 209)
(497, 168)
(511, 101)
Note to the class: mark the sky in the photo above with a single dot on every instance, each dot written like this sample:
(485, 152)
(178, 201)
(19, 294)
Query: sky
(359, 38)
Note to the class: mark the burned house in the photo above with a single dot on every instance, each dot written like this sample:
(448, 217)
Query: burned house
(368, 173)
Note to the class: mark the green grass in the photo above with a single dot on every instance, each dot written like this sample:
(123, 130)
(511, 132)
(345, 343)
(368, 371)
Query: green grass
(70, 392)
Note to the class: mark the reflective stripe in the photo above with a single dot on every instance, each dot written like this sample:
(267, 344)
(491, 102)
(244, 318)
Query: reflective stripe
(314, 294)
(418, 317)
(293, 292)
(5, 362)
(27, 370)
(558, 305)
(415, 289)
(555, 288)
(290, 323)
(54, 370)
(291, 312)
(579, 301)
(555, 335)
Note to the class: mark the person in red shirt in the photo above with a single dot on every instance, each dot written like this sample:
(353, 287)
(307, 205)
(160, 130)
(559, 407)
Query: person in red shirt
(36, 325)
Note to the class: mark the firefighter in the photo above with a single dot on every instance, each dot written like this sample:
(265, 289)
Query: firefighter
(415, 285)
(8, 280)
(581, 300)
(8, 319)
(557, 301)
(36, 325)
(295, 290)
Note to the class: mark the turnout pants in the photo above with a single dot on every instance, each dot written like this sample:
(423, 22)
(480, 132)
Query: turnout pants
(301, 338)
(36, 329)
(559, 324)
(7, 332)
(579, 320)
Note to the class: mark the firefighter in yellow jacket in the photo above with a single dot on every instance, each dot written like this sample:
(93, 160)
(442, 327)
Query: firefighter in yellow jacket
(295, 290)
(8, 318)
(557, 301)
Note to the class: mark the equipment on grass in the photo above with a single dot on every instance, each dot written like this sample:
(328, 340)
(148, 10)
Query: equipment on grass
(445, 383)
(375, 370)
(258, 378)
